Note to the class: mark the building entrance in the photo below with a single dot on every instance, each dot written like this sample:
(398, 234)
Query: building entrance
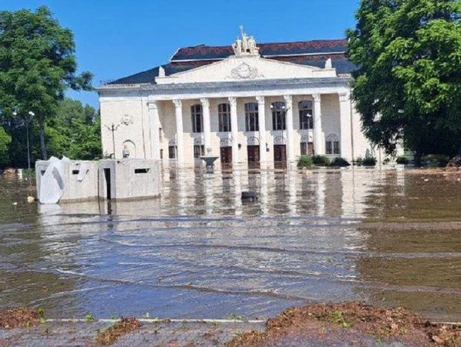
(226, 156)
(280, 156)
(253, 157)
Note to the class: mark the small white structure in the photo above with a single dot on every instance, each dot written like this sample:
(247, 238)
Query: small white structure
(66, 180)
(129, 179)
(69, 180)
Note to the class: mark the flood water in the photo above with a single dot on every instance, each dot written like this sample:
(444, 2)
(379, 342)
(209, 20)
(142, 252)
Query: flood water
(384, 237)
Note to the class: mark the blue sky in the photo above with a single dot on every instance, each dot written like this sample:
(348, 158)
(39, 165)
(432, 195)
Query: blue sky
(116, 38)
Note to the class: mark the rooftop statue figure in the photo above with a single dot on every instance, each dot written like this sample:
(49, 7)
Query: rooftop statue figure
(246, 45)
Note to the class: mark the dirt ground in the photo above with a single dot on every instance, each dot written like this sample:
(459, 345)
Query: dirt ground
(353, 324)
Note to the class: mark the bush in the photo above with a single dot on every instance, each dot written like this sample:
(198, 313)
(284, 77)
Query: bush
(435, 160)
(304, 161)
(358, 161)
(341, 162)
(402, 160)
(370, 161)
(320, 160)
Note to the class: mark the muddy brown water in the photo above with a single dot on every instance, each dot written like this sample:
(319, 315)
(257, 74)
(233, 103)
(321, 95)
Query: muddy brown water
(385, 237)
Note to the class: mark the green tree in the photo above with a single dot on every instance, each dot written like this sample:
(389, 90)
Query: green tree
(37, 64)
(74, 131)
(5, 140)
(408, 82)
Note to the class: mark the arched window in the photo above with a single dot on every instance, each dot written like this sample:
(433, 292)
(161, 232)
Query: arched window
(306, 120)
(307, 146)
(251, 117)
(197, 118)
(172, 149)
(332, 144)
(224, 118)
(278, 115)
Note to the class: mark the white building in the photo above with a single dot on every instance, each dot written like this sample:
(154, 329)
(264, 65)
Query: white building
(246, 104)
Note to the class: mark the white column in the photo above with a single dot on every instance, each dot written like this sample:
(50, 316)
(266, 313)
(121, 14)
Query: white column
(262, 128)
(179, 130)
(318, 138)
(234, 130)
(154, 129)
(206, 123)
(289, 127)
(345, 120)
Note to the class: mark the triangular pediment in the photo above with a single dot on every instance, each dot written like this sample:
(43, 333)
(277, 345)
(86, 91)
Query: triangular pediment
(246, 68)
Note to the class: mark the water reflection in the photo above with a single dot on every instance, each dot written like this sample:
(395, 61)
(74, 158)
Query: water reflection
(198, 251)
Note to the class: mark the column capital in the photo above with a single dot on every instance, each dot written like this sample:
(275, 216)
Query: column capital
(177, 103)
(344, 96)
(233, 101)
(260, 99)
(316, 97)
(152, 105)
(288, 99)
(205, 102)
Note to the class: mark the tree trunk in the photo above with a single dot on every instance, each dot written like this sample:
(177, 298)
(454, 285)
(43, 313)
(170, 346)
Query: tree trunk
(417, 155)
(41, 122)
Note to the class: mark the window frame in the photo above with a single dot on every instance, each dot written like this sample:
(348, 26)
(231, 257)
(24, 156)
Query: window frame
(224, 118)
(305, 107)
(172, 152)
(332, 145)
(278, 115)
(251, 116)
(199, 151)
(197, 118)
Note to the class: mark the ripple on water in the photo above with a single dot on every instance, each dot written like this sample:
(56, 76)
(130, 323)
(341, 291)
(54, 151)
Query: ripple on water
(198, 251)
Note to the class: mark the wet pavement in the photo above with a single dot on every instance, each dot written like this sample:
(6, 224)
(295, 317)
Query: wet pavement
(385, 237)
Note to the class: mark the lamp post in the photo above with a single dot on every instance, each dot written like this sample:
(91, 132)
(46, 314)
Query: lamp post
(113, 128)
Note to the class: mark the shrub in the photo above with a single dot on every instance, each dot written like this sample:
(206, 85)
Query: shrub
(370, 161)
(402, 160)
(304, 161)
(320, 160)
(358, 161)
(340, 162)
(435, 160)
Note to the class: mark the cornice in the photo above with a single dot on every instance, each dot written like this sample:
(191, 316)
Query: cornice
(194, 88)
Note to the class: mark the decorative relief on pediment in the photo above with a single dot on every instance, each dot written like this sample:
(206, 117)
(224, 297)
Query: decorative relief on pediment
(245, 72)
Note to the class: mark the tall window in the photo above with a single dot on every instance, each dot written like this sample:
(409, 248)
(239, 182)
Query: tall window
(199, 151)
(278, 115)
(224, 118)
(306, 120)
(332, 144)
(251, 117)
(172, 149)
(197, 118)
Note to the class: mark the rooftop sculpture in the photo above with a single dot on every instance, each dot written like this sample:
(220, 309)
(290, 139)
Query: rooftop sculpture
(245, 45)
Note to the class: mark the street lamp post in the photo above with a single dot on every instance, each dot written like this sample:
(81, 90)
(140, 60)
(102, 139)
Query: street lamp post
(113, 128)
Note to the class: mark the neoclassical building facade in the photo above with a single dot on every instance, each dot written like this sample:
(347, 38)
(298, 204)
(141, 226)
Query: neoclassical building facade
(251, 104)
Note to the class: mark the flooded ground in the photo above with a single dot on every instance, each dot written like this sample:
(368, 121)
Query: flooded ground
(385, 237)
